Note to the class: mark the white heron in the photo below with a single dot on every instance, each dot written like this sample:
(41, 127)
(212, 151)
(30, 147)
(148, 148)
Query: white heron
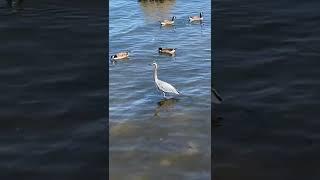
(161, 85)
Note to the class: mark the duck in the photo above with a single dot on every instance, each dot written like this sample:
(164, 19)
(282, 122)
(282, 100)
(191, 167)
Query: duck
(170, 51)
(196, 18)
(120, 55)
(168, 22)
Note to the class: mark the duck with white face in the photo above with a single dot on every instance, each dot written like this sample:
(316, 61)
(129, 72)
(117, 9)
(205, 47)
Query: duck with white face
(196, 18)
(167, 22)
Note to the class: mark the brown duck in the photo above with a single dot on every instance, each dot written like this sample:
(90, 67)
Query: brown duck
(168, 22)
(120, 55)
(196, 18)
(170, 51)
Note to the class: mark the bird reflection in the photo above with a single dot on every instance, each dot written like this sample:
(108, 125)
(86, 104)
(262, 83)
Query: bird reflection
(217, 120)
(14, 4)
(155, 10)
(168, 55)
(172, 27)
(200, 23)
(197, 22)
(165, 105)
(215, 97)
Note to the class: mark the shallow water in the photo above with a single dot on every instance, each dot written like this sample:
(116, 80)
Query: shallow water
(171, 137)
(266, 66)
(53, 90)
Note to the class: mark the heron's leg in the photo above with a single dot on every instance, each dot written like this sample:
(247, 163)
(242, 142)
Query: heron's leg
(164, 94)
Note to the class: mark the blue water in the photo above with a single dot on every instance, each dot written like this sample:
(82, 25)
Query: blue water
(53, 115)
(267, 70)
(171, 137)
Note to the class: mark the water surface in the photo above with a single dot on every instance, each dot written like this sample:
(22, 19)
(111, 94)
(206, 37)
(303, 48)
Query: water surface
(150, 137)
(53, 91)
(266, 66)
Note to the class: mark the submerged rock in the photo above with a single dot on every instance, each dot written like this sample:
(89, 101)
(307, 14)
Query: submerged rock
(122, 129)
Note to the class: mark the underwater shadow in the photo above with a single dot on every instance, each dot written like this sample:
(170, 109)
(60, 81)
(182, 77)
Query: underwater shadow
(165, 105)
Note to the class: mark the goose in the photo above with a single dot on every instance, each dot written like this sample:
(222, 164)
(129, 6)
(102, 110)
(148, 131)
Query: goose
(170, 51)
(120, 55)
(167, 22)
(196, 18)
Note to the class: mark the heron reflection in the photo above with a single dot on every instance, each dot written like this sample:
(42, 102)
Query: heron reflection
(165, 105)
(215, 97)
(14, 4)
(217, 120)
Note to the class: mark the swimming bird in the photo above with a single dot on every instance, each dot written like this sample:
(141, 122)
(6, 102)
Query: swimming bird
(170, 51)
(161, 85)
(196, 18)
(167, 22)
(120, 55)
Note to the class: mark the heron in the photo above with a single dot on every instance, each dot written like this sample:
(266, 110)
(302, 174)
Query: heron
(161, 85)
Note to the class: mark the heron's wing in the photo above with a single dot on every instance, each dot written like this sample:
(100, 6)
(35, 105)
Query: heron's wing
(166, 87)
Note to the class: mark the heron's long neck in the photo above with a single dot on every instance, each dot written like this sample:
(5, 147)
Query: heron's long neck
(155, 76)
